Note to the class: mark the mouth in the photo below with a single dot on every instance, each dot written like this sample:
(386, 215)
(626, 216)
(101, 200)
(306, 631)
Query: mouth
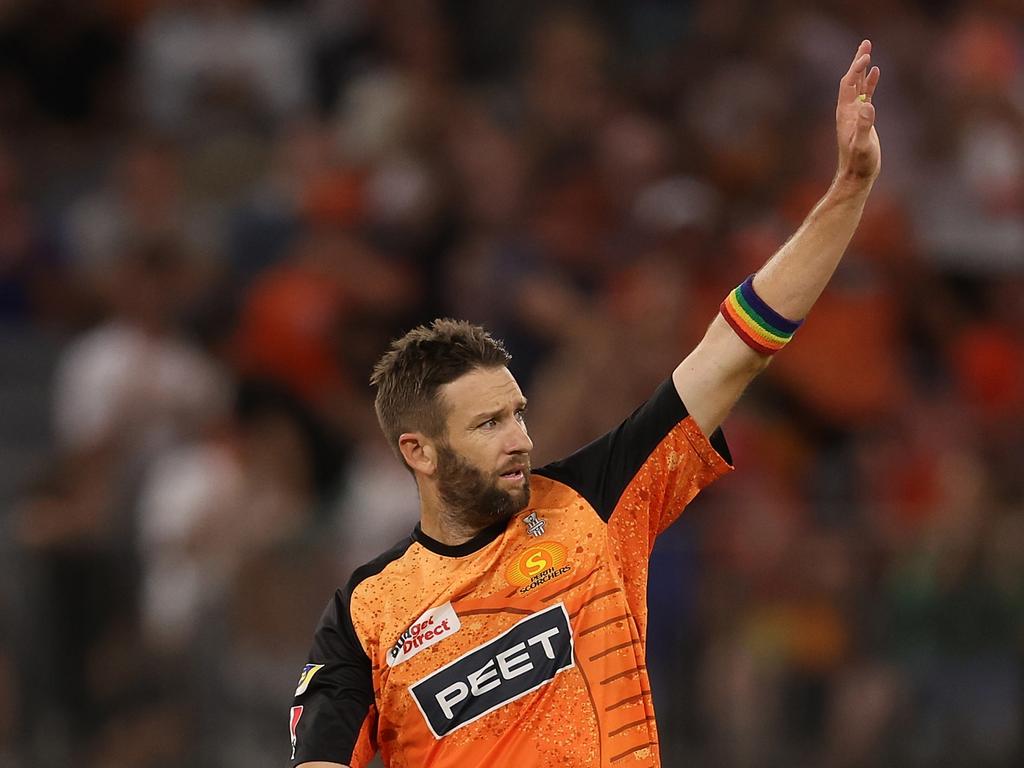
(515, 475)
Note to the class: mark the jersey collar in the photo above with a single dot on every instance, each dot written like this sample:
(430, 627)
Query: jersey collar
(478, 542)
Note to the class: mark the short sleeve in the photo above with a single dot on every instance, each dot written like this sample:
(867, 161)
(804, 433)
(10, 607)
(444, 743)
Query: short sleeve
(333, 717)
(648, 468)
(682, 464)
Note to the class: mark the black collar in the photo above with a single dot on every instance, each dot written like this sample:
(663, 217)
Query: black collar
(478, 542)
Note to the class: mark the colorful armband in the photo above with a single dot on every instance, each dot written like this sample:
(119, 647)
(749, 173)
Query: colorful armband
(762, 328)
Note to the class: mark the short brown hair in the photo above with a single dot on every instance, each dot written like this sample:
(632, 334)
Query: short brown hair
(417, 365)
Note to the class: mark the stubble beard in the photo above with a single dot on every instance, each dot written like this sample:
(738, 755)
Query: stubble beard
(473, 499)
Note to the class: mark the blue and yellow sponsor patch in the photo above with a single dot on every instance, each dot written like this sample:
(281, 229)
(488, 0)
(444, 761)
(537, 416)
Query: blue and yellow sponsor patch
(307, 674)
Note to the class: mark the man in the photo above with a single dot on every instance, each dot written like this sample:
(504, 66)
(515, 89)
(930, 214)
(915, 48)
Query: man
(509, 629)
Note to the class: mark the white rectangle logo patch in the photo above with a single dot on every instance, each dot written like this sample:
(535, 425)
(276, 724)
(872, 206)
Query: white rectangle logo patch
(429, 629)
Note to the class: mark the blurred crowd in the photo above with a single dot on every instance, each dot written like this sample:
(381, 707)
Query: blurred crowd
(214, 214)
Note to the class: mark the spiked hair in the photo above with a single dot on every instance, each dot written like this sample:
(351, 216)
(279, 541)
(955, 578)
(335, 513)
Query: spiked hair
(416, 366)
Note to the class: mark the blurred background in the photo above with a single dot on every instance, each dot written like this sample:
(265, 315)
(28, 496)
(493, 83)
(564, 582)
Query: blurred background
(214, 214)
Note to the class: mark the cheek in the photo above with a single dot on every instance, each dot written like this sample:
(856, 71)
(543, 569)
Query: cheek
(470, 448)
(483, 453)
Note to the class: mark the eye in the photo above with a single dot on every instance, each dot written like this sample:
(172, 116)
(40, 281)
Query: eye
(489, 424)
(521, 415)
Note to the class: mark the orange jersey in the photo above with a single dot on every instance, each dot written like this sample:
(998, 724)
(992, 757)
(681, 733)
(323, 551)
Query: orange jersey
(525, 645)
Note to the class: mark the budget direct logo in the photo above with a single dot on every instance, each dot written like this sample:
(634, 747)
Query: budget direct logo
(537, 565)
(520, 660)
(429, 629)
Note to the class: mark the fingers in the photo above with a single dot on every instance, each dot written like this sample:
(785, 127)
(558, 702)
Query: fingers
(859, 63)
(861, 78)
(854, 82)
(855, 74)
(871, 82)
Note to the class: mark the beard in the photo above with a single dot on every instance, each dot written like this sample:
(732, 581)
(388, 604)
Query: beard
(473, 498)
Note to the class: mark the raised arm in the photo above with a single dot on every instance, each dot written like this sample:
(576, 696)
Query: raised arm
(712, 377)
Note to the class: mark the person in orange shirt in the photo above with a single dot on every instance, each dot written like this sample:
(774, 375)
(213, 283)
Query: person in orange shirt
(509, 629)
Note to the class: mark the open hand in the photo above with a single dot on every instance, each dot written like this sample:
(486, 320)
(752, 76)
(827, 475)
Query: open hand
(860, 155)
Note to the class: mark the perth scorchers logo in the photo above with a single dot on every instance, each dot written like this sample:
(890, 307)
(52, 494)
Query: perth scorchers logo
(537, 565)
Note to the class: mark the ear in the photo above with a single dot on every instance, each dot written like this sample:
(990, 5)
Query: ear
(419, 452)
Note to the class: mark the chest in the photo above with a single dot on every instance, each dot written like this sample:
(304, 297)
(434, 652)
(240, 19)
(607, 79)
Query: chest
(506, 618)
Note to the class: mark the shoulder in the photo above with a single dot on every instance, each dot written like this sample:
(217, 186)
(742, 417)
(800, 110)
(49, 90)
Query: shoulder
(373, 569)
(349, 606)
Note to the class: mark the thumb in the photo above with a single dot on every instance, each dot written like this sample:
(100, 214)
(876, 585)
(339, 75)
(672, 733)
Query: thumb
(865, 119)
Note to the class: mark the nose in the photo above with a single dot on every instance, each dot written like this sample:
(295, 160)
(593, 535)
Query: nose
(519, 439)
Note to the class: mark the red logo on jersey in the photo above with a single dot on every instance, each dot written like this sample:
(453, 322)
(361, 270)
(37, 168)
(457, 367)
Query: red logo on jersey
(293, 723)
(429, 629)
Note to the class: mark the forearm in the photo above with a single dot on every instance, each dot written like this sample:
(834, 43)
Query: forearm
(713, 376)
(756, 323)
(793, 279)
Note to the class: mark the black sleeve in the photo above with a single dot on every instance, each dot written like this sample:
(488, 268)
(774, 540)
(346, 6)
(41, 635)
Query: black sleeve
(601, 470)
(332, 704)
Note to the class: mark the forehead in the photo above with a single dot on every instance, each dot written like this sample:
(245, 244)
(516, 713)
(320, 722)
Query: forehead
(481, 390)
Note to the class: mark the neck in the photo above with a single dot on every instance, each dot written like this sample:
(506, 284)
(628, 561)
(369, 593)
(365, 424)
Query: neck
(443, 524)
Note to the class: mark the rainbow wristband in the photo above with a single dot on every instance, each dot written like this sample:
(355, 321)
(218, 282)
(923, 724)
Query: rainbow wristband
(762, 328)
